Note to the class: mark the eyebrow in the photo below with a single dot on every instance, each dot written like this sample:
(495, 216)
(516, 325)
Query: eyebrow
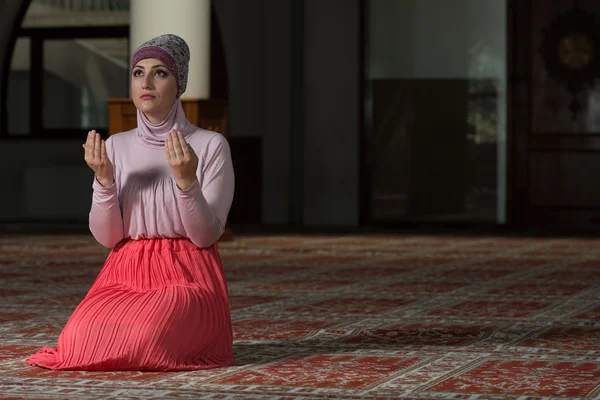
(155, 66)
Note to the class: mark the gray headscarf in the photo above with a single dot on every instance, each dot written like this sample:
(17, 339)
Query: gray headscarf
(173, 51)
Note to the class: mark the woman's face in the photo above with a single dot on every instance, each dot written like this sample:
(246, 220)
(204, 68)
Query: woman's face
(153, 88)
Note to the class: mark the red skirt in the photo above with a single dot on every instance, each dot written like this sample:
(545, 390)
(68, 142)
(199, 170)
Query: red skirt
(157, 305)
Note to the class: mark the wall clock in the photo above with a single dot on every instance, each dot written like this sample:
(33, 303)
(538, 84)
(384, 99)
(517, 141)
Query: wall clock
(570, 50)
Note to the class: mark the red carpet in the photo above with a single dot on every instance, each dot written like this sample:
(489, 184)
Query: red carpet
(355, 317)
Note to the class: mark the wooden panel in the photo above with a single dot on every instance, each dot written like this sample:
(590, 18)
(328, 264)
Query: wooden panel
(438, 146)
(420, 145)
(571, 142)
(563, 154)
(562, 179)
(122, 115)
(207, 114)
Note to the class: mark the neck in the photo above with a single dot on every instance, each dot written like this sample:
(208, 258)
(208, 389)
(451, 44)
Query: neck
(153, 131)
(157, 119)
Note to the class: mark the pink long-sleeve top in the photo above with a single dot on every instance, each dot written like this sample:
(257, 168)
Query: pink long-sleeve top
(145, 202)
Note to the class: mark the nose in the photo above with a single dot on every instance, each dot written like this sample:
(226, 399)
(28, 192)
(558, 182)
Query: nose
(147, 82)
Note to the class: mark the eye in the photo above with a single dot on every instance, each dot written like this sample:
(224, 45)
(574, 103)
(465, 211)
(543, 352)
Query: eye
(137, 72)
(161, 73)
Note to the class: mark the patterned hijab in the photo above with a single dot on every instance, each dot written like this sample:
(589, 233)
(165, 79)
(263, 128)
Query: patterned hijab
(173, 51)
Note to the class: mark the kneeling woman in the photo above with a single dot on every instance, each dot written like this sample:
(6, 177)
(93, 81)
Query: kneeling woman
(161, 196)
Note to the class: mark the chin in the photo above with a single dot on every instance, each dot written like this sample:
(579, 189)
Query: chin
(149, 110)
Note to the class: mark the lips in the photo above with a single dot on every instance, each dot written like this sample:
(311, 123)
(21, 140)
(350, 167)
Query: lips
(146, 97)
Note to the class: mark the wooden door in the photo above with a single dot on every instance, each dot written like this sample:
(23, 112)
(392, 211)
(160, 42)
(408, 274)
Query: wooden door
(554, 56)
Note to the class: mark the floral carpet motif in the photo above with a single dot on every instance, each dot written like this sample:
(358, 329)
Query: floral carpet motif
(340, 317)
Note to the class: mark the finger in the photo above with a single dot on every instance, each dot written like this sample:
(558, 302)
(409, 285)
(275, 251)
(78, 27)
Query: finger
(97, 146)
(177, 147)
(88, 146)
(103, 155)
(185, 150)
(169, 146)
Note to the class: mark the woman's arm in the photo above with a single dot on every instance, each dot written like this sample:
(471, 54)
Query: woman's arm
(204, 206)
(106, 220)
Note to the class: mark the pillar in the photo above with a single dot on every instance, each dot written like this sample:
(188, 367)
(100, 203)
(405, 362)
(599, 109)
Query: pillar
(189, 19)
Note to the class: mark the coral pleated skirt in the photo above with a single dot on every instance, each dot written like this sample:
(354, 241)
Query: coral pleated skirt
(157, 305)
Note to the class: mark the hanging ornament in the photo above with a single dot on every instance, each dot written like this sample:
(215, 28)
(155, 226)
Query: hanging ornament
(570, 50)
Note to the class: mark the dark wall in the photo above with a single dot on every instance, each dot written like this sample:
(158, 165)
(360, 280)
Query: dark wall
(11, 13)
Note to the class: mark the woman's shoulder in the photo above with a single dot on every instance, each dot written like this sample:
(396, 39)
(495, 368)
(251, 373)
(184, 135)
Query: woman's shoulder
(205, 138)
(208, 144)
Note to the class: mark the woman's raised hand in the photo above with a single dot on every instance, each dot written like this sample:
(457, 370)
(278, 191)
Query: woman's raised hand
(182, 159)
(97, 159)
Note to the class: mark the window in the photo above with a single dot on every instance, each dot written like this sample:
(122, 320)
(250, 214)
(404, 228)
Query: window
(19, 89)
(435, 111)
(61, 79)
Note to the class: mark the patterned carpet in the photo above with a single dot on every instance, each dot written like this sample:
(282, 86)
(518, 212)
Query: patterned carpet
(346, 317)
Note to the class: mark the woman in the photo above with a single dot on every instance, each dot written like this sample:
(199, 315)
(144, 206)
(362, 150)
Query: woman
(161, 196)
